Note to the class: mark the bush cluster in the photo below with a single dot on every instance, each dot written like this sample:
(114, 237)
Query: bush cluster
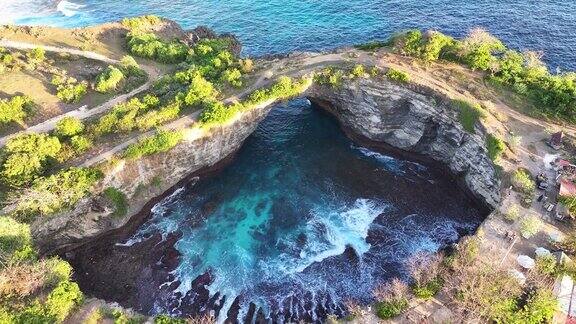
(118, 198)
(469, 114)
(149, 46)
(68, 89)
(216, 113)
(141, 22)
(138, 114)
(15, 109)
(522, 181)
(162, 141)
(109, 80)
(495, 146)
(397, 75)
(32, 290)
(525, 73)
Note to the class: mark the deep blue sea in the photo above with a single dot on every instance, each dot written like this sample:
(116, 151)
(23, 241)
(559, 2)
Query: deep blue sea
(274, 26)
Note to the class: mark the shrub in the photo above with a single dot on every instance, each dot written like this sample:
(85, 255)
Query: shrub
(165, 319)
(469, 114)
(118, 198)
(68, 127)
(530, 225)
(36, 55)
(27, 156)
(162, 141)
(512, 213)
(358, 71)
(15, 110)
(80, 144)
(130, 66)
(546, 264)
(371, 46)
(216, 113)
(109, 79)
(61, 190)
(199, 90)
(397, 75)
(246, 65)
(72, 93)
(495, 147)
(392, 299)
(15, 238)
(63, 299)
(429, 289)
(147, 45)
(329, 76)
(232, 76)
(142, 22)
(391, 309)
(522, 181)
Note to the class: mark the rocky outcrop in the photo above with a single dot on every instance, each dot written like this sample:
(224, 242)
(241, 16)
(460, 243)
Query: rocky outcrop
(143, 181)
(416, 120)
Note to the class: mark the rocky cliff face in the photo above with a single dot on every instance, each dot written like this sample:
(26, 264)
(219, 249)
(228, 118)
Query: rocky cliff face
(143, 181)
(379, 113)
(413, 119)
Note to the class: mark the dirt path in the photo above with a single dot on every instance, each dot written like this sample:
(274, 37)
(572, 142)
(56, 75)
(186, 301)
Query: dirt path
(82, 112)
(266, 78)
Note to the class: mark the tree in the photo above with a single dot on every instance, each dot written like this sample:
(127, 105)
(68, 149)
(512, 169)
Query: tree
(68, 127)
(109, 79)
(27, 156)
(14, 110)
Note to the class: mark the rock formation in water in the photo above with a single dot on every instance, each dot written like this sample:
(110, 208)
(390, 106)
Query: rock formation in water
(380, 113)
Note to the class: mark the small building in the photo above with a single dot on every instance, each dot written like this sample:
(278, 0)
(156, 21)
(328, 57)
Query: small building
(567, 188)
(556, 139)
(565, 292)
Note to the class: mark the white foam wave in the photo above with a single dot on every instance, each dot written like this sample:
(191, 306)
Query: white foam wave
(69, 9)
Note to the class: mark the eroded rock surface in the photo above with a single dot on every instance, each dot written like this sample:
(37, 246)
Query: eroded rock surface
(413, 119)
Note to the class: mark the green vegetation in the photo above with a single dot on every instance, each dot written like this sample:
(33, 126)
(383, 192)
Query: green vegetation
(26, 157)
(358, 71)
(546, 264)
(522, 181)
(429, 289)
(512, 213)
(397, 75)
(165, 319)
(118, 198)
(392, 299)
(569, 202)
(32, 290)
(48, 195)
(15, 109)
(141, 22)
(215, 113)
(372, 46)
(109, 80)
(68, 127)
(469, 114)
(329, 76)
(391, 309)
(149, 46)
(524, 73)
(36, 55)
(162, 141)
(530, 226)
(68, 89)
(495, 146)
